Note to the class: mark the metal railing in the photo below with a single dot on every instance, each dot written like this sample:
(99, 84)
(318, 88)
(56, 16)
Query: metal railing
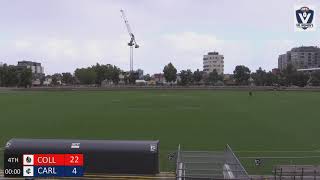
(209, 165)
(296, 172)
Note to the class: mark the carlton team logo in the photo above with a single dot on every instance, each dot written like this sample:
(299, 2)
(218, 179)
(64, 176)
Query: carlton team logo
(304, 19)
(28, 171)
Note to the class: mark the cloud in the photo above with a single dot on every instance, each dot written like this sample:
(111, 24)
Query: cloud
(188, 49)
(191, 41)
(59, 55)
(59, 47)
(22, 44)
(64, 35)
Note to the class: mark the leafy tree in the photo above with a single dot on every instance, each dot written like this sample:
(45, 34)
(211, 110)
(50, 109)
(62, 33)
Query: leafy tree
(11, 76)
(315, 78)
(106, 72)
(300, 79)
(197, 76)
(259, 77)
(67, 78)
(263, 78)
(115, 74)
(213, 77)
(241, 75)
(54, 81)
(56, 78)
(186, 77)
(126, 78)
(42, 79)
(133, 76)
(147, 77)
(170, 73)
(86, 75)
(25, 79)
(2, 75)
(290, 76)
(271, 79)
(100, 73)
(287, 75)
(289, 69)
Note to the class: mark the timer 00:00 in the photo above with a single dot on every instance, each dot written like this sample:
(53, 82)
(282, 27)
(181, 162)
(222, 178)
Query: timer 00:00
(12, 171)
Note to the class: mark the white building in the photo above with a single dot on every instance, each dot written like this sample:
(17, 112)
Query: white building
(47, 81)
(213, 61)
(141, 82)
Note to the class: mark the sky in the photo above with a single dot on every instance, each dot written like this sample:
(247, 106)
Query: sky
(67, 34)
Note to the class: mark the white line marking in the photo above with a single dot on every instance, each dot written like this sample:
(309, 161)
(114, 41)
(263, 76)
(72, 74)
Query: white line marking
(314, 151)
(278, 157)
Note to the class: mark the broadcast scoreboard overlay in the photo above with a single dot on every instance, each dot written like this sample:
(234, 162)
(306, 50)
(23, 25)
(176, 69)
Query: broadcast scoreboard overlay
(44, 165)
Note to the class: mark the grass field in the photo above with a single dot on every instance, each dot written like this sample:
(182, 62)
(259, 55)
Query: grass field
(266, 124)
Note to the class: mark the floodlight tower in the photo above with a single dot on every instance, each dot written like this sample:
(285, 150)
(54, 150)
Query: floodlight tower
(132, 42)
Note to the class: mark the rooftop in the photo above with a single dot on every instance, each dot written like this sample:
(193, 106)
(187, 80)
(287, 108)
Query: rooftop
(305, 48)
(213, 53)
(29, 63)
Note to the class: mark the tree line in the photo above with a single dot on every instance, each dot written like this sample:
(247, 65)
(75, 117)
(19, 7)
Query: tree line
(12, 76)
(95, 74)
(187, 77)
(242, 75)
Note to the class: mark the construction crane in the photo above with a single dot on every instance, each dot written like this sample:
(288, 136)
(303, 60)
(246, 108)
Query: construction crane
(132, 42)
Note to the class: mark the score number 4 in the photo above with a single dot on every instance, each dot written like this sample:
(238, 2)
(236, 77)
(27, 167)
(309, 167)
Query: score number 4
(74, 171)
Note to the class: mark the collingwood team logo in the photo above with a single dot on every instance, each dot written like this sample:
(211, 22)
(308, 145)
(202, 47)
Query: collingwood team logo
(304, 18)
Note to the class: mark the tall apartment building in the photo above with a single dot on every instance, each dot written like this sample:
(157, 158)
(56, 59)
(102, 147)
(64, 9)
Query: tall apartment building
(283, 61)
(213, 61)
(304, 57)
(140, 73)
(35, 67)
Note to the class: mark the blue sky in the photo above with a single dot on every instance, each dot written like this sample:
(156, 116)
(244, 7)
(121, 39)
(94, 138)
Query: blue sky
(66, 34)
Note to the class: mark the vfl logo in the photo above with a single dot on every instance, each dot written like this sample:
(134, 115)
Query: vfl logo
(304, 17)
